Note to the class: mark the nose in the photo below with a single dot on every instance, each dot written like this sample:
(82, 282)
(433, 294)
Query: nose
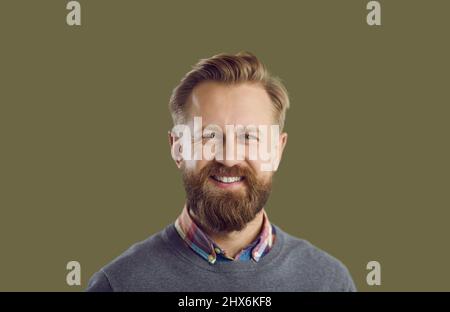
(232, 159)
(228, 162)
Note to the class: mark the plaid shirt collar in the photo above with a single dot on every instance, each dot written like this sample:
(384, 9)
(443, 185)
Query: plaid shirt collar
(203, 245)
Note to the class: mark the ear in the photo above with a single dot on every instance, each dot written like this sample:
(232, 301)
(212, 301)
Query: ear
(175, 149)
(281, 146)
(283, 142)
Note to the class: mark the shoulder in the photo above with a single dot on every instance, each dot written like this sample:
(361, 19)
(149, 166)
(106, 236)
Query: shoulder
(138, 263)
(323, 270)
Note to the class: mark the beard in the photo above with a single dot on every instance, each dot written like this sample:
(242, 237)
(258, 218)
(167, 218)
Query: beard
(220, 210)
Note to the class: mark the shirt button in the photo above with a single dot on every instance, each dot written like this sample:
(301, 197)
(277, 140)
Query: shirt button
(211, 259)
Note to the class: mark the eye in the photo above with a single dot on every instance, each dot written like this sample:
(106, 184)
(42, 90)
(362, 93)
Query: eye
(210, 135)
(251, 137)
(248, 138)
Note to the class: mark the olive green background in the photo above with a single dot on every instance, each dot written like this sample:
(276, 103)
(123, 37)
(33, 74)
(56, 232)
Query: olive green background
(85, 165)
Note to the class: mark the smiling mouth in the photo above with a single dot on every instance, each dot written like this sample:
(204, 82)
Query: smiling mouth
(227, 180)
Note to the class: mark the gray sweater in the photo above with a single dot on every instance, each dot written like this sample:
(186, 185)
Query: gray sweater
(164, 262)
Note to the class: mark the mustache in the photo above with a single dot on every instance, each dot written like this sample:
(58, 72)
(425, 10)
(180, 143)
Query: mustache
(218, 169)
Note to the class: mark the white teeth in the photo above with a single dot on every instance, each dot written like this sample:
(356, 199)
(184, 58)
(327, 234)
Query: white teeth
(228, 179)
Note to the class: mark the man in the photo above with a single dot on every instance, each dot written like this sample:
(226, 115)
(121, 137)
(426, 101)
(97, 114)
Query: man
(223, 240)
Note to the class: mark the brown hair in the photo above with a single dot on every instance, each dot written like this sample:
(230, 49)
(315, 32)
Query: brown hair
(230, 69)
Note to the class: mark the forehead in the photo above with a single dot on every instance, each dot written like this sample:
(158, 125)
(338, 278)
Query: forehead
(231, 104)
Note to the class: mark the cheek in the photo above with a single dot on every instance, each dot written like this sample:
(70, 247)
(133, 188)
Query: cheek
(256, 165)
(265, 160)
(265, 176)
(195, 165)
(189, 165)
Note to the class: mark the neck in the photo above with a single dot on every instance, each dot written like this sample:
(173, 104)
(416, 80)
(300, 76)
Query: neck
(233, 242)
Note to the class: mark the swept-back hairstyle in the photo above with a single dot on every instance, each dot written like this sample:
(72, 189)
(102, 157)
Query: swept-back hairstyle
(229, 69)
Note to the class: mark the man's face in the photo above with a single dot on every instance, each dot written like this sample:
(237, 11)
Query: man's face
(227, 192)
